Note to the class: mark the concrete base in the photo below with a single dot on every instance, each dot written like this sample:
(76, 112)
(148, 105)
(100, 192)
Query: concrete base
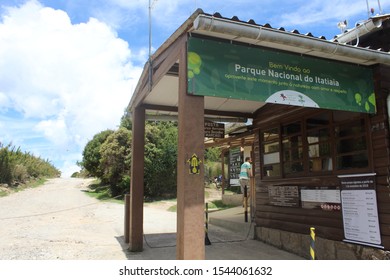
(234, 220)
(324, 249)
(232, 199)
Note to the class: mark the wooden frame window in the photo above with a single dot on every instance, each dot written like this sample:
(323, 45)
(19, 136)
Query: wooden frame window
(351, 145)
(319, 142)
(271, 152)
(328, 142)
(292, 147)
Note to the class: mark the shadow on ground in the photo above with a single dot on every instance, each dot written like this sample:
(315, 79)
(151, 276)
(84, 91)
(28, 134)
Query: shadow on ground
(225, 245)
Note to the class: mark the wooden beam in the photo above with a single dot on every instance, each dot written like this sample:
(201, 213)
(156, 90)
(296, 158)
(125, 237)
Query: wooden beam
(156, 107)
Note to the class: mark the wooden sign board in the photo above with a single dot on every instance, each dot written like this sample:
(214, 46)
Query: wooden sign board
(214, 130)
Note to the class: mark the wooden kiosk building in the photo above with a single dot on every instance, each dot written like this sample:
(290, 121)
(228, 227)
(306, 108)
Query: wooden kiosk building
(320, 111)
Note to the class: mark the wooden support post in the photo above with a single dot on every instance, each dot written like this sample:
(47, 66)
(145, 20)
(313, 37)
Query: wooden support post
(137, 182)
(190, 185)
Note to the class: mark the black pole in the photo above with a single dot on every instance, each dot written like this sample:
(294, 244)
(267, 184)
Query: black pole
(206, 237)
(246, 202)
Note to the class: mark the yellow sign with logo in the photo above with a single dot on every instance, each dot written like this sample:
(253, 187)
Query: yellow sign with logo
(194, 162)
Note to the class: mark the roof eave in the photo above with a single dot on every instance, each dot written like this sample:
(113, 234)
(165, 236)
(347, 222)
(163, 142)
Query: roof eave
(361, 29)
(259, 35)
(179, 32)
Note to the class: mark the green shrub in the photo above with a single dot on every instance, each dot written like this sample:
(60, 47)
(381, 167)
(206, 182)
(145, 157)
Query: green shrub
(20, 173)
(18, 166)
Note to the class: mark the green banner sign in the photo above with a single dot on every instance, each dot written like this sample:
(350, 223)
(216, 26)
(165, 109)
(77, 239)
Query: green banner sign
(233, 71)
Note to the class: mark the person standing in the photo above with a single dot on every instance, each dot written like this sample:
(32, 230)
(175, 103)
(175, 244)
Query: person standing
(245, 175)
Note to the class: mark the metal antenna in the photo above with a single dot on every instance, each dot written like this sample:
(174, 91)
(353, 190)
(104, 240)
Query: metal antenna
(380, 8)
(150, 43)
(368, 9)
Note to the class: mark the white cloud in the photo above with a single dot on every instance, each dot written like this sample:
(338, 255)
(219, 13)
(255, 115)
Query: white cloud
(73, 80)
(3, 100)
(318, 17)
(167, 15)
(69, 167)
(324, 12)
(55, 131)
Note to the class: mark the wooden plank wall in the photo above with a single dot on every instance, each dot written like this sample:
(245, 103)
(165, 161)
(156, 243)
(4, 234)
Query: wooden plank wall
(381, 148)
(328, 224)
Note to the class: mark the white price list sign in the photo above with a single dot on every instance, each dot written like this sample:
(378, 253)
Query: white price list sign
(359, 209)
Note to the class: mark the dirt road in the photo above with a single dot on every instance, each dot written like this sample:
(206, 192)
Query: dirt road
(59, 221)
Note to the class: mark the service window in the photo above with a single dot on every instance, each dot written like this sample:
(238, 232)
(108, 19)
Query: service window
(319, 143)
(329, 142)
(351, 145)
(292, 146)
(271, 152)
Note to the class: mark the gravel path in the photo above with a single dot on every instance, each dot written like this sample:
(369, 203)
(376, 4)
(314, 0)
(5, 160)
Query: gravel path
(59, 221)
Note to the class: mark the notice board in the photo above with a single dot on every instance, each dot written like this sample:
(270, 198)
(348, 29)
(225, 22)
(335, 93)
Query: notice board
(359, 209)
(284, 196)
(214, 130)
(235, 161)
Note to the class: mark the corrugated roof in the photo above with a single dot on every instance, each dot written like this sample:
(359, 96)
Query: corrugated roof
(366, 40)
(266, 25)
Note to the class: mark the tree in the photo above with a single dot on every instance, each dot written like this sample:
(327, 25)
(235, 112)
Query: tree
(115, 160)
(160, 159)
(91, 153)
(108, 157)
(213, 154)
(126, 122)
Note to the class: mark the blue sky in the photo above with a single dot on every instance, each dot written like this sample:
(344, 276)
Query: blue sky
(68, 68)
